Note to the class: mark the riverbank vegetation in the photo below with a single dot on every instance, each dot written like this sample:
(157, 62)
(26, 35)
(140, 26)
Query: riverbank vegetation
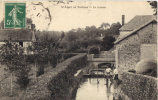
(22, 71)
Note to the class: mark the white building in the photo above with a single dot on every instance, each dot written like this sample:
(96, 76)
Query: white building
(24, 37)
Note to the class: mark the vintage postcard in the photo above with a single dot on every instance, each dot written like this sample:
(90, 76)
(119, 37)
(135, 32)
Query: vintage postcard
(12, 11)
(78, 50)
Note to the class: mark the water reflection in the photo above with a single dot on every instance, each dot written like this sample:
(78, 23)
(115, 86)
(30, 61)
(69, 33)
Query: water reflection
(95, 89)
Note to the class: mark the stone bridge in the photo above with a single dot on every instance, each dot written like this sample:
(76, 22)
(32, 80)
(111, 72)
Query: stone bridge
(102, 59)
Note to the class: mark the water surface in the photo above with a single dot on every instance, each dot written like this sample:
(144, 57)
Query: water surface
(95, 89)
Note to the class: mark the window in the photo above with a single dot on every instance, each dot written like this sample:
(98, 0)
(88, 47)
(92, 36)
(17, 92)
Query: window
(148, 51)
(21, 43)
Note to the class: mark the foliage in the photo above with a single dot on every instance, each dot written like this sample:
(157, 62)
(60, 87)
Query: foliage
(63, 45)
(80, 51)
(62, 35)
(29, 20)
(153, 6)
(107, 43)
(72, 47)
(71, 36)
(94, 50)
(67, 55)
(22, 76)
(40, 68)
(45, 49)
(60, 84)
(82, 38)
(114, 29)
(104, 25)
(29, 59)
(13, 54)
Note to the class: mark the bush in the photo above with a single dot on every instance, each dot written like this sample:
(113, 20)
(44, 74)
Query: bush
(67, 55)
(94, 50)
(72, 47)
(22, 77)
(107, 43)
(60, 84)
(80, 51)
(30, 58)
(40, 70)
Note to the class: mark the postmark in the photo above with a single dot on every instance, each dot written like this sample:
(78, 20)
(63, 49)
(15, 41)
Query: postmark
(15, 15)
(39, 14)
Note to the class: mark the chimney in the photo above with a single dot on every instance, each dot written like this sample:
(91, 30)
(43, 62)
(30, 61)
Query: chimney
(33, 32)
(32, 27)
(123, 20)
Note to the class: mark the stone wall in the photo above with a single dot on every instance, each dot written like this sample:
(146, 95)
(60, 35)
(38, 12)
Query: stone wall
(139, 87)
(129, 49)
(40, 90)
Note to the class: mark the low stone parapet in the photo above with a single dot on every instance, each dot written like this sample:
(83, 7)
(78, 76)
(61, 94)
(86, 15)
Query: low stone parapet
(138, 86)
(45, 87)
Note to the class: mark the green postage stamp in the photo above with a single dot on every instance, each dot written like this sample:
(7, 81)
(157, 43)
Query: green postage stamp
(15, 16)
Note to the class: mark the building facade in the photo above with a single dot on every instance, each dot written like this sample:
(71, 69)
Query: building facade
(24, 37)
(137, 44)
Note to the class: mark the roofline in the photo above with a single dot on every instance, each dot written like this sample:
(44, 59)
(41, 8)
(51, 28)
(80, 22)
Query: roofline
(131, 20)
(18, 41)
(125, 30)
(116, 42)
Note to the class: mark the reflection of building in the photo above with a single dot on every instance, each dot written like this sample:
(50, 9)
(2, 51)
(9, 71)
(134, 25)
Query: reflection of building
(25, 37)
(137, 40)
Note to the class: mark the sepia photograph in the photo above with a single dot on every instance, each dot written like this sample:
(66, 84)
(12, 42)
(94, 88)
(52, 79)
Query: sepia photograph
(78, 50)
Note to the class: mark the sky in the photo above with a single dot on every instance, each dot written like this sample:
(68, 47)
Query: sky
(65, 17)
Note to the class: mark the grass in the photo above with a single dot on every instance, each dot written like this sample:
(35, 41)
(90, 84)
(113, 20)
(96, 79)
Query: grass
(5, 83)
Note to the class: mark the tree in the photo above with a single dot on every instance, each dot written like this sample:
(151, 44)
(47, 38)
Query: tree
(104, 26)
(62, 35)
(114, 29)
(12, 53)
(71, 36)
(107, 43)
(45, 49)
(153, 6)
(29, 20)
(72, 46)
(94, 50)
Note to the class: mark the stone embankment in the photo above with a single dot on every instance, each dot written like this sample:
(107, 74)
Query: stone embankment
(138, 87)
(44, 90)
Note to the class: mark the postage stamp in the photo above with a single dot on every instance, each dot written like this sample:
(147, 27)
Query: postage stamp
(15, 15)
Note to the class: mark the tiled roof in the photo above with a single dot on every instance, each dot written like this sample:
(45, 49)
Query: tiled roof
(120, 38)
(16, 34)
(137, 21)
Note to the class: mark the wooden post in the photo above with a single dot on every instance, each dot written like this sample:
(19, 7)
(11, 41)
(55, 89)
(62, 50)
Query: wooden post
(35, 68)
(11, 80)
(116, 57)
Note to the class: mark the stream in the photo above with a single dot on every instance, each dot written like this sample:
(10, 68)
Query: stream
(95, 89)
